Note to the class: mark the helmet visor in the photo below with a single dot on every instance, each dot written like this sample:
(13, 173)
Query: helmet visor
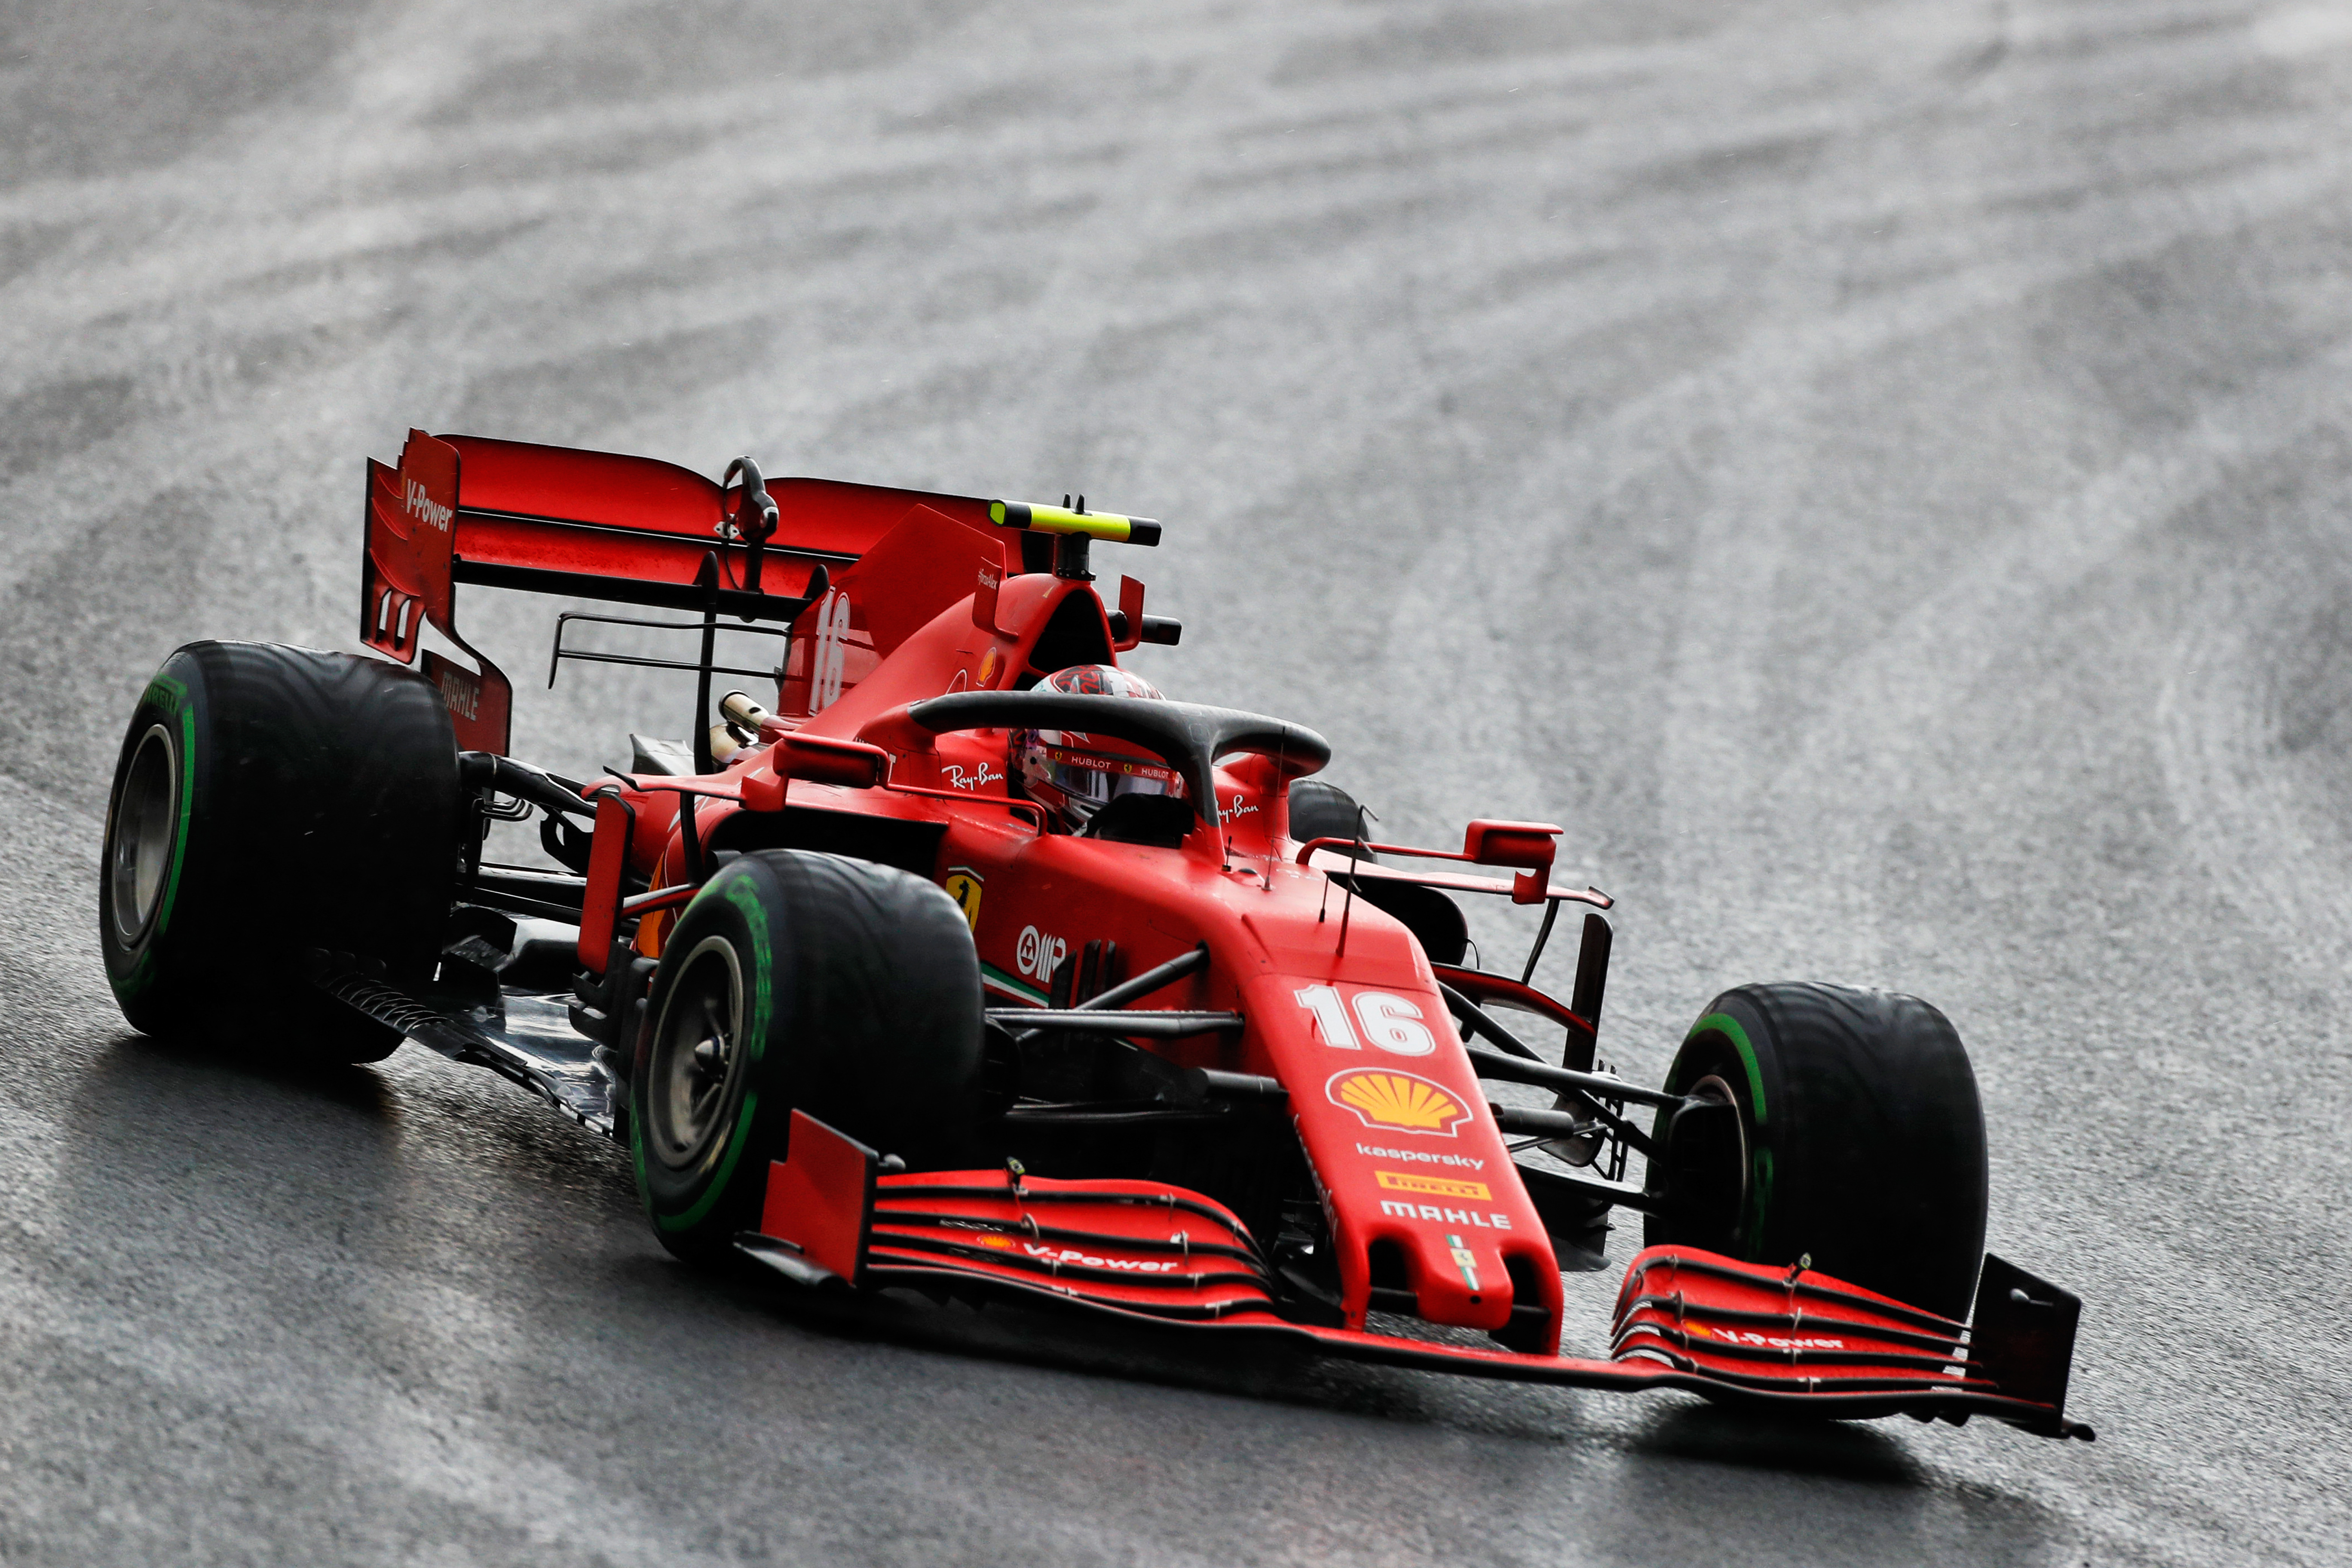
(1090, 779)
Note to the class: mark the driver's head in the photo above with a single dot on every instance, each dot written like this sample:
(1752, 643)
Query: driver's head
(1074, 774)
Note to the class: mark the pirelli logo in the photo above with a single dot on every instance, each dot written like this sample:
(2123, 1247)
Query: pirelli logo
(1435, 1186)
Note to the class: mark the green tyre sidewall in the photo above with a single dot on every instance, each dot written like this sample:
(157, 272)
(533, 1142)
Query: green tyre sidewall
(1863, 1132)
(318, 806)
(862, 1007)
(150, 975)
(697, 1212)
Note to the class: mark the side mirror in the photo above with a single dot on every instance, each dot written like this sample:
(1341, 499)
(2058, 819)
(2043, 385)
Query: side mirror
(1529, 845)
(819, 759)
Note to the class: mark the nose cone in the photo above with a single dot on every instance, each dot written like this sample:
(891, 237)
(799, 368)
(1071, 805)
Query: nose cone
(1416, 1179)
(1455, 1267)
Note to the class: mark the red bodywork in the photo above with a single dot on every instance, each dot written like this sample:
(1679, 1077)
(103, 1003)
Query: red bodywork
(921, 596)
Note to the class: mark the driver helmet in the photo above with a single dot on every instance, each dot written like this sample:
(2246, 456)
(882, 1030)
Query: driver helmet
(1074, 774)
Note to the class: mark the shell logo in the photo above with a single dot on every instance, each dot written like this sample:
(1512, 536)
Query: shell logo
(1398, 1101)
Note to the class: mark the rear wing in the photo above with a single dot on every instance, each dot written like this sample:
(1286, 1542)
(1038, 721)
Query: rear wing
(635, 530)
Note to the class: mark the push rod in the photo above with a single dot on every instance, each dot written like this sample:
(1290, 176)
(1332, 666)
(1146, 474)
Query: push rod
(1482, 1023)
(1146, 1024)
(1120, 996)
(1543, 1074)
(1520, 1120)
(1150, 980)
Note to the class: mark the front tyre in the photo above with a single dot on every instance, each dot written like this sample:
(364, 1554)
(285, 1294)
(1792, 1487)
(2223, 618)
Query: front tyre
(842, 989)
(269, 801)
(1836, 1122)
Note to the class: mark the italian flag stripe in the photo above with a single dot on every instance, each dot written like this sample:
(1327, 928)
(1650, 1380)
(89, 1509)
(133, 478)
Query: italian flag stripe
(995, 979)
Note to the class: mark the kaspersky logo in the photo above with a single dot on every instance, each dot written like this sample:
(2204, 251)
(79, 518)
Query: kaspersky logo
(1397, 1101)
(420, 505)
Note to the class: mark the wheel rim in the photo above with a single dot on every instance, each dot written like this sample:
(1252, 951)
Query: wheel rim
(1701, 1171)
(1732, 1171)
(146, 826)
(697, 1056)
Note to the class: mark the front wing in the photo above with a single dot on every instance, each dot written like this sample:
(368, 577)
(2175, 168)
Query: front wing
(1686, 1319)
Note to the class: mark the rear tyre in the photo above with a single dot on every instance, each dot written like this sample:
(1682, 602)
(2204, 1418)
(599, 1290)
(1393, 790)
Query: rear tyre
(1839, 1123)
(268, 801)
(842, 989)
(1319, 810)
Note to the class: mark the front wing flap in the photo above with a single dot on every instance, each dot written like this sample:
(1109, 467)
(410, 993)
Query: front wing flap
(1686, 1319)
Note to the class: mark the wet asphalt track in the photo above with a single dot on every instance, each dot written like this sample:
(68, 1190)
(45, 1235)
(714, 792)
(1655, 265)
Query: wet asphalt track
(1878, 472)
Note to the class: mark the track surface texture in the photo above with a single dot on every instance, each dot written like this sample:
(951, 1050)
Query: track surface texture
(1876, 472)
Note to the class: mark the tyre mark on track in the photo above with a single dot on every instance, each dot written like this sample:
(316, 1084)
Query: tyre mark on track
(2279, 855)
(1758, 396)
(1860, 760)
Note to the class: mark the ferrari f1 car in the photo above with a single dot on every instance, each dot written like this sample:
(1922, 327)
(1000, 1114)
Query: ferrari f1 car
(967, 963)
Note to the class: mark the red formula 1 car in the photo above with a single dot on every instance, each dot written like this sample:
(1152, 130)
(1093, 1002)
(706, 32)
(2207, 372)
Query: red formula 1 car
(977, 966)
